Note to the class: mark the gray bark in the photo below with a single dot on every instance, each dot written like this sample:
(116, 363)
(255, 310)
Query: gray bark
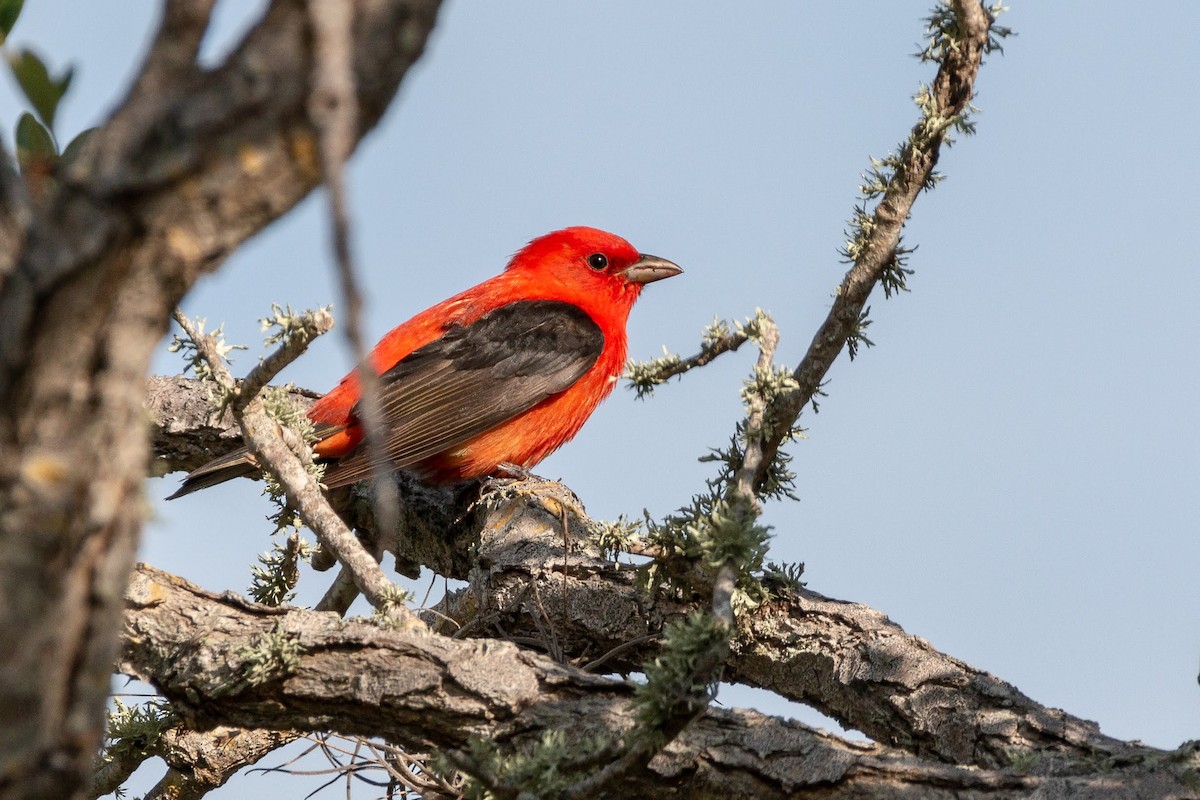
(437, 693)
(927, 710)
(190, 164)
(193, 162)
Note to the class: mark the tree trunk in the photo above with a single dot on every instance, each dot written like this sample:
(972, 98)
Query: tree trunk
(191, 164)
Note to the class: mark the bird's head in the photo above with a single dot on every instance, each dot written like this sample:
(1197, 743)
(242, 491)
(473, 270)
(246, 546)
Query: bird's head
(592, 261)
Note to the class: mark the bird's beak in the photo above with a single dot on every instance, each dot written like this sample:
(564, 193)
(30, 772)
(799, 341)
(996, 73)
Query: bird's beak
(648, 269)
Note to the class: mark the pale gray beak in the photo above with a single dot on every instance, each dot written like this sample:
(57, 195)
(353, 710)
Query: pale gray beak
(648, 269)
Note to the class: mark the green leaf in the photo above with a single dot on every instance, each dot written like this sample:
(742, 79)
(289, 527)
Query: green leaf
(43, 90)
(71, 150)
(9, 11)
(34, 143)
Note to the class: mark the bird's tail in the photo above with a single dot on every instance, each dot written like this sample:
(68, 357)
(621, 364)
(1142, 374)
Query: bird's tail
(237, 464)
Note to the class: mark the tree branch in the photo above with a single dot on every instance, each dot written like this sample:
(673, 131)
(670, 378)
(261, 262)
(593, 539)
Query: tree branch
(333, 111)
(951, 93)
(185, 436)
(197, 762)
(89, 272)
(14, 218)
(262, 436)
(171, 60)
(844, 659)
(207, 653)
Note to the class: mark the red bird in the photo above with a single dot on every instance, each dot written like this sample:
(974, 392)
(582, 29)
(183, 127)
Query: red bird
(500, 375)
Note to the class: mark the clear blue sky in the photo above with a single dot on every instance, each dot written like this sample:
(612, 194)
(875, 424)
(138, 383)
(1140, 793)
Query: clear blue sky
(1010, 473)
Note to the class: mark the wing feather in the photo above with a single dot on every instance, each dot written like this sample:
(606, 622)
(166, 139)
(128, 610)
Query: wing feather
(476, 377)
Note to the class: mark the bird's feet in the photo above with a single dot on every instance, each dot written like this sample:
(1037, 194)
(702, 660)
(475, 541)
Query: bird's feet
(506, 471)
(512, 481)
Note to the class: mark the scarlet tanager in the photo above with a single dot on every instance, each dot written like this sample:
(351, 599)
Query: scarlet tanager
(499, 376)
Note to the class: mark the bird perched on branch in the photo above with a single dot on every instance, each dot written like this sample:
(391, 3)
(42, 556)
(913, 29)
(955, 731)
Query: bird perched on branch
(492, 380)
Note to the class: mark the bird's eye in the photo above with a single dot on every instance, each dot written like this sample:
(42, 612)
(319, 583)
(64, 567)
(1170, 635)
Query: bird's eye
(597, 261)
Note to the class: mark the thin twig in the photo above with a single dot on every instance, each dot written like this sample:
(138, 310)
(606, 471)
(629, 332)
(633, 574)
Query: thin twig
(340, 595)
(623, 647)
(728, 343)
(307, 327)
(708, 667)
(722, 597)
(753, 455)
(333, 108)
(344, 591)
(640, 547)
(261, 434)
(951, 90)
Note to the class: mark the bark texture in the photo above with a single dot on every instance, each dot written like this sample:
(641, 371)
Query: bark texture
(191, 163)
(942, 726)
(194, 161)
(221, 661)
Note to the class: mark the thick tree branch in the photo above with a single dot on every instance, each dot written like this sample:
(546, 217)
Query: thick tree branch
(847, 660)
(844, 659)
(221, 660)
(201, 762)
(198, 161)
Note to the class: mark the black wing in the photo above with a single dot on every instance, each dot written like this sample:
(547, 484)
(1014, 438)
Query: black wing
(474, 378)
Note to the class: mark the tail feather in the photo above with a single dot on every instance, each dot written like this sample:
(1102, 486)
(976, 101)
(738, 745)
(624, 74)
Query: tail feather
(236, 464)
